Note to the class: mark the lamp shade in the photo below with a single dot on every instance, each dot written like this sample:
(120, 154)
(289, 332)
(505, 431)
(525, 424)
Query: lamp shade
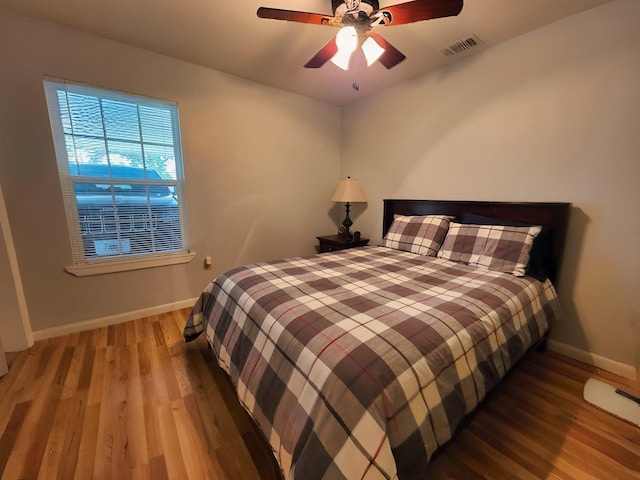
(372, 51)
(347, 42)
(348, 191)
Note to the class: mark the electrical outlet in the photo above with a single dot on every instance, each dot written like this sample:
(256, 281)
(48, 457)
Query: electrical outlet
(207, 262)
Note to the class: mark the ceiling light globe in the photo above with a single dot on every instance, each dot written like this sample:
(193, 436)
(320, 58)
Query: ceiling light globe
(347, 42)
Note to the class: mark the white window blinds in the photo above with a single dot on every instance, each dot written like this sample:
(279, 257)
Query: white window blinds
(120, 163)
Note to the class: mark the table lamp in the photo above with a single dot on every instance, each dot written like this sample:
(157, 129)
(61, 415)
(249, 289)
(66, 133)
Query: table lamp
(348, 192)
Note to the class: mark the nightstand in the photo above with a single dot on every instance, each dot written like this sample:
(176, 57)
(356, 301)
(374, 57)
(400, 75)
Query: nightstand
(333, 243)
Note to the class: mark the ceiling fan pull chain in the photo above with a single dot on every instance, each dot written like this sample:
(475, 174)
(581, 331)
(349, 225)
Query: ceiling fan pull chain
(355, 85)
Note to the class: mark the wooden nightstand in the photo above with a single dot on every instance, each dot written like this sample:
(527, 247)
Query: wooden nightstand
(333, 243)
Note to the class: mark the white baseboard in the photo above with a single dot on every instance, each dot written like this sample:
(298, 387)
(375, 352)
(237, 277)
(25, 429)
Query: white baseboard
(110, 320)
(618, 368)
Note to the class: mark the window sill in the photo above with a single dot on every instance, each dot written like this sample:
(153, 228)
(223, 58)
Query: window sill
(127, 265)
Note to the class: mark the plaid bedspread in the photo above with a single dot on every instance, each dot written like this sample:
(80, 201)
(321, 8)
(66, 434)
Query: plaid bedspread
(361, 363)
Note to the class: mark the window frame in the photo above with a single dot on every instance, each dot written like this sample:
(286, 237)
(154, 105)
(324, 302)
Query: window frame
(94, 265)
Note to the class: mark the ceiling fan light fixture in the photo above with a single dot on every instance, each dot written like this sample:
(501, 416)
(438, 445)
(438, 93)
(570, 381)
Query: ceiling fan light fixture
(347, 42)
(372, 51)
(358, 19)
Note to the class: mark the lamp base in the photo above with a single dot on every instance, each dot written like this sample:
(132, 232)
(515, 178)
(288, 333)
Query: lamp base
(346, 223)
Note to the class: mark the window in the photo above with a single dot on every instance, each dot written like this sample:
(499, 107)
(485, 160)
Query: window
(120, 164)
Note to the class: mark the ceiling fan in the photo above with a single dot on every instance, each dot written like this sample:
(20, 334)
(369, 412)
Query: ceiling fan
(357, 20)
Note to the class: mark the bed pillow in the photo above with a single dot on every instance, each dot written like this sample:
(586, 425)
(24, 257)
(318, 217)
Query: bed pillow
(541, 258)
(421, 234)
(501, 248)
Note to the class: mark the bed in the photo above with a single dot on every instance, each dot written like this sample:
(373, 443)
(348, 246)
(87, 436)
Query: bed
(362, 363)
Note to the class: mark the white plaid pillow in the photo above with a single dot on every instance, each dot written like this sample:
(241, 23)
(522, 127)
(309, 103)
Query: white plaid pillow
(417, 234)
(492, 247)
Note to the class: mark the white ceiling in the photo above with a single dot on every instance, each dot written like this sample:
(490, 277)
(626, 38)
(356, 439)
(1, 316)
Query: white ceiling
(229, 37)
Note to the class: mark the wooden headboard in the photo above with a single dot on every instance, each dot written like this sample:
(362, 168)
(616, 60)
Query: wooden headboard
(552, 215)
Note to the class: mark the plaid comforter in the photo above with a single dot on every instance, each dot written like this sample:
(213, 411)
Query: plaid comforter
(361, 363)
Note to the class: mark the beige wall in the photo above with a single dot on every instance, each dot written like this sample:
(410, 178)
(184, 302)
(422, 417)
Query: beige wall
(550, 116)
(260, 164)
(15, 328)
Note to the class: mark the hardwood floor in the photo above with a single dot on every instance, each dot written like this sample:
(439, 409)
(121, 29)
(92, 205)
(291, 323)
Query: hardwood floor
(134, 401)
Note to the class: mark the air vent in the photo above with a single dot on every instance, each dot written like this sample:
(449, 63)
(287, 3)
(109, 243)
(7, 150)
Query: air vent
(462, 46)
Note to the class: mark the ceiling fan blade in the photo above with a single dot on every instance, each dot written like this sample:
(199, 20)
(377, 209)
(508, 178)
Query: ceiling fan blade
(391, 56)
(419, 10)
(294, 16)
(324, 55)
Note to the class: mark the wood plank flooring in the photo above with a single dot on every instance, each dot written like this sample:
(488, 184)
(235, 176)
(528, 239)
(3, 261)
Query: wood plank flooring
(134, 401)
